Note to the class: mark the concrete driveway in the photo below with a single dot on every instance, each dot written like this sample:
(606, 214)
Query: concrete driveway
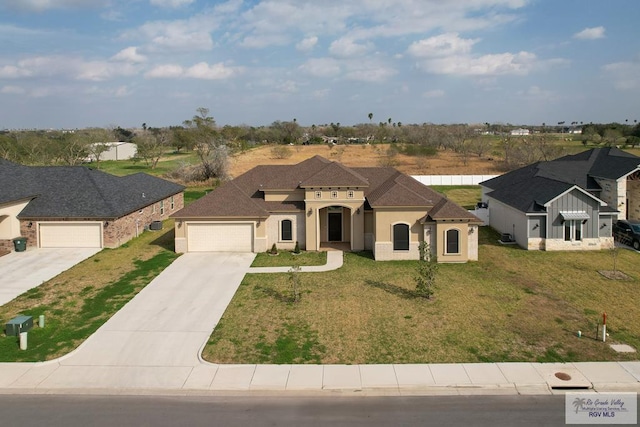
(155, 339)
(21, 271)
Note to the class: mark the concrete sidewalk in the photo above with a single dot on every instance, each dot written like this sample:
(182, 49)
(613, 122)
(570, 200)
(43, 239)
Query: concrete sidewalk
(393, 380)
(334, 262)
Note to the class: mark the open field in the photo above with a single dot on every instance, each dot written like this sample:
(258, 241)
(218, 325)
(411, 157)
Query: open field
(512, 305)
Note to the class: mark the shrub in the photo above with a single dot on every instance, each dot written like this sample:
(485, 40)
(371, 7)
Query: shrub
(296, 249)
(273, 250)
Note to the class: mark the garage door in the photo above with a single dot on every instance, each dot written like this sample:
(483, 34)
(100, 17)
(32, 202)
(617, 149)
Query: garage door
(70, 235)
(208, 237)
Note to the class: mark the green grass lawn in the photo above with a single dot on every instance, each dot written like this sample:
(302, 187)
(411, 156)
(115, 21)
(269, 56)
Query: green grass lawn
(464, 195)
(287, 258)
(512, 305)
(81, 299)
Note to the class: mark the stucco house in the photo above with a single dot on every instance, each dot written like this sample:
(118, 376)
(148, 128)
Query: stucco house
(318, 203)
(74, 206)
(566, 204)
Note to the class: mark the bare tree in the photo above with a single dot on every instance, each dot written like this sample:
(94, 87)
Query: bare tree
(152, 144)
(210, 148)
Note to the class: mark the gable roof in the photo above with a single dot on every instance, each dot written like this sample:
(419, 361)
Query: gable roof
(383, 187)
(529, 188)
(79, 192)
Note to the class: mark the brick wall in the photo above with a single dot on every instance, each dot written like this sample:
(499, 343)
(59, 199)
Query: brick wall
(126, 228)
(115, 232)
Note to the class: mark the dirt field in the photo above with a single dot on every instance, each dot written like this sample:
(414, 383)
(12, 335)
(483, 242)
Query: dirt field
(443, 163)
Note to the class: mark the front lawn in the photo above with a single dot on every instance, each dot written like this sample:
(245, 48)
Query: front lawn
(81, 299)
(512, 305)
(288, 259)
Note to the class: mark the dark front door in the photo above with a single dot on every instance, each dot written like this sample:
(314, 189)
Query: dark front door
(335, 226)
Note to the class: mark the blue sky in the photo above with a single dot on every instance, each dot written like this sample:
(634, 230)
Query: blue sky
(81, 63)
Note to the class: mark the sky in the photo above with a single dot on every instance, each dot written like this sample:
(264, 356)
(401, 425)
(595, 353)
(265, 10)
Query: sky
(85, 63)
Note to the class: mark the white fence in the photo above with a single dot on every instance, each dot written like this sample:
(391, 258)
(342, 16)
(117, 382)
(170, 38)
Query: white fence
(452, 179)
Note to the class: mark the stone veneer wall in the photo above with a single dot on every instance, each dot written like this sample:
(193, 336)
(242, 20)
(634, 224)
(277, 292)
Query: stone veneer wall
(383, 251)
(583, 245)
(633, 189)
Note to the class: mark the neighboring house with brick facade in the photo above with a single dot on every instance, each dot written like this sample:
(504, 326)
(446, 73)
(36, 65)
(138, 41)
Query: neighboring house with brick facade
(566, 204)
(75, 206)
(320, 203)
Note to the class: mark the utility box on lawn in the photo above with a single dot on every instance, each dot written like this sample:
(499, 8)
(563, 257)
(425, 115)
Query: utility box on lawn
(18, 324)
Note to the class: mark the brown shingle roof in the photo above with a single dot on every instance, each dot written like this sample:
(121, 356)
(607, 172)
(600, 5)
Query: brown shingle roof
(384, 187)
(335, 175)
(446, 209)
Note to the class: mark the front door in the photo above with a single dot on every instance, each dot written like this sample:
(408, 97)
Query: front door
(335, 226)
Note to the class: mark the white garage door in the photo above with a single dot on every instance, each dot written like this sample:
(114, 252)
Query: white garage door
(70, 235)
(208, 237)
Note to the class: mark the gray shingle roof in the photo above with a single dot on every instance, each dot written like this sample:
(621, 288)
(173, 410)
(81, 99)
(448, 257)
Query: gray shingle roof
(529, 187)
(79, 192)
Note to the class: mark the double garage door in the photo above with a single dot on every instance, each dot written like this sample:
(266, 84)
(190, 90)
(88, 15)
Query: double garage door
(219, 237)
(70, 234)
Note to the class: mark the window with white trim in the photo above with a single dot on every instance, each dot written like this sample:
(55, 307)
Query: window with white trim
(400, 237)
(153, 208)
(286, 230)
(573, 230)
(161, 207)
(350, 194)
(172, 203)
(318, 194)
(452, 243)
(334, 194)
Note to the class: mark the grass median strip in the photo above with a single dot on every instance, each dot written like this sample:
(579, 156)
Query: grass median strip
(78, 301)
(512, 305)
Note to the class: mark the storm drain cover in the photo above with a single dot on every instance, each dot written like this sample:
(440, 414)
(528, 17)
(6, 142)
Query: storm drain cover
(563, 376)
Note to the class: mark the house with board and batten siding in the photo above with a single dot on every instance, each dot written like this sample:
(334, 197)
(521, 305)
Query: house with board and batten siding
(566, 204)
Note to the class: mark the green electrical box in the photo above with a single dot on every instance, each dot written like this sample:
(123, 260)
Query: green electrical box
(18, 324)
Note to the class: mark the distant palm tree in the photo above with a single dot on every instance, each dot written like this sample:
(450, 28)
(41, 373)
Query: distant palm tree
(370, 116)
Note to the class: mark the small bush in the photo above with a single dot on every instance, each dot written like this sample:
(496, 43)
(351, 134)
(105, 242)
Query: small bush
(281, 152)
(273, 250)
(296, 249)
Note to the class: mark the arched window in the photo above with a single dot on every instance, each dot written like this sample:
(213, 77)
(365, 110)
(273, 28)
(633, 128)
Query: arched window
(286, 230)
(453, 241)
(400, 237)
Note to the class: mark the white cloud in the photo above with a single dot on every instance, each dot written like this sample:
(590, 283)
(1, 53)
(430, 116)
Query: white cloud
(487, 65)
(436, 93)
(307, 44)
(170, 3)
(442, 45)
(371, 71)
(43, 5)
(12, 90)
(201, 70)
(625, 75)
(321, 67)
(347, 48)
(66, 67)
(13, 72)
(129, 54)
(590, 34)
(166, 71)
(205, 71)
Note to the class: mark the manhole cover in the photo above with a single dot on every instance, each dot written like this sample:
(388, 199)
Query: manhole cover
(562, 376)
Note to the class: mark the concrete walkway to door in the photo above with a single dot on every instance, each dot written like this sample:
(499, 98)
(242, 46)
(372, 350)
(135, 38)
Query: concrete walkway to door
(334, 262)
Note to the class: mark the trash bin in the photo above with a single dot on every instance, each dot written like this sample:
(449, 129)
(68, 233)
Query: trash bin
(20, 244)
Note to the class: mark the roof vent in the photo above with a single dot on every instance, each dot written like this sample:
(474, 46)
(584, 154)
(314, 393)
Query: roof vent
(143, 196)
